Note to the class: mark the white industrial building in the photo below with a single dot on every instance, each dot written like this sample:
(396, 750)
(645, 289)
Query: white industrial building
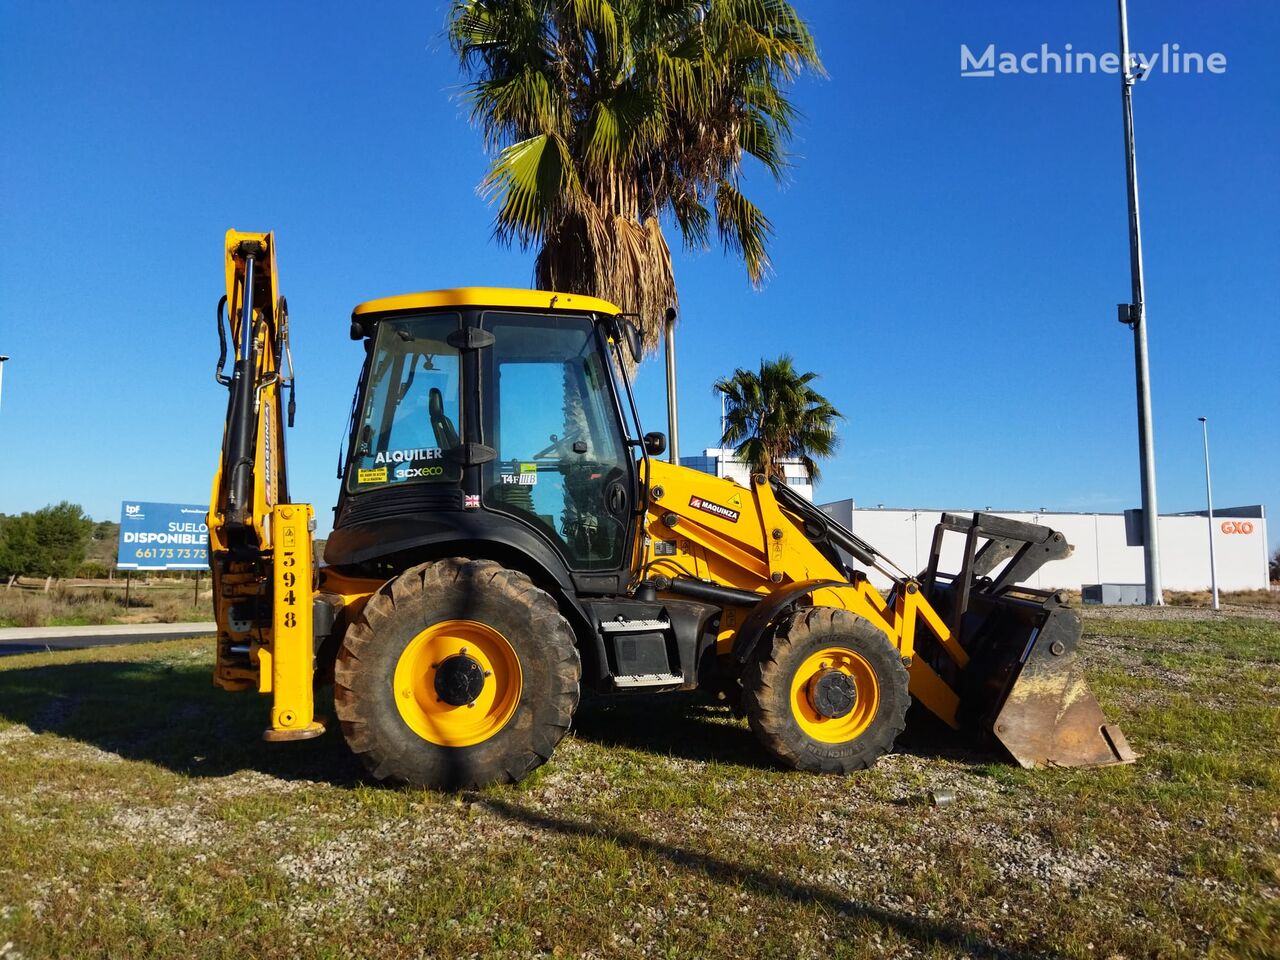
(1106, 550)
(723, 463)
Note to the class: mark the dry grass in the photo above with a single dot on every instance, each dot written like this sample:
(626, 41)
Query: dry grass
(1203, 599)
(142, 816)
(81, 604)
(1235, 598)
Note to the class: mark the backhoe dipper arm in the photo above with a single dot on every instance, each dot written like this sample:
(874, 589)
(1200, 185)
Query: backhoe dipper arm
(260, 544)
(240, 425)
(251, 476)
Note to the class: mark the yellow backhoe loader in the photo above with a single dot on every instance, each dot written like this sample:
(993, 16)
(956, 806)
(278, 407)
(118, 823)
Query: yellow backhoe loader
(506, 534)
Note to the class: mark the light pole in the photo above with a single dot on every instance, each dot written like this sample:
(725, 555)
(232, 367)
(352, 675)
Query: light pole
(1208, 492)
(1134, 314)
(2, 360)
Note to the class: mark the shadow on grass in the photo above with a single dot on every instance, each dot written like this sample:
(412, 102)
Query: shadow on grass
(170, 715)
(927, 933)
(686, 725)
(690, 726)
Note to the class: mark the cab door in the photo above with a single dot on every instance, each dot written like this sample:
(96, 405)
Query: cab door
(562, 462)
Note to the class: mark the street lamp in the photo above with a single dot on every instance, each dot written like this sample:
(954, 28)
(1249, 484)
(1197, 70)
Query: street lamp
(2, 360)
(1208, 492)
(1134, 314)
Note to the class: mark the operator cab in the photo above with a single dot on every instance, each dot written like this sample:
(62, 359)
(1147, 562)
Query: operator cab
(502, 416)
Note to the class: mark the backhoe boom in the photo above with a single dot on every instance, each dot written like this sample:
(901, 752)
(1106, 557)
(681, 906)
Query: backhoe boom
(260, 546)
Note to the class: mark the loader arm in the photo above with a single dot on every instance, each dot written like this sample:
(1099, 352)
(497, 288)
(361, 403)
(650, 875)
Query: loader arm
(260, 544)
(982, 652)
(774, 550)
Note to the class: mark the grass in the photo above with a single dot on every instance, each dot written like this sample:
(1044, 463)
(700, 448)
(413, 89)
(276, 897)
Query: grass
(83, 604)
(142, 816)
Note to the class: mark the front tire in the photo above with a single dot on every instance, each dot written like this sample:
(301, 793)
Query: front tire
(457, 674)
(828, 693)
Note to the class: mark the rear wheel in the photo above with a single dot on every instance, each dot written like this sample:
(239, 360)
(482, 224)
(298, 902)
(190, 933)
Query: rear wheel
(457, 674)
(828, 694)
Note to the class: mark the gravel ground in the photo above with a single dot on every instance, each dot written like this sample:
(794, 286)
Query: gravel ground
(1270, 614)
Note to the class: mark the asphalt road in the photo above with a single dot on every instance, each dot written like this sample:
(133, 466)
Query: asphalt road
(37, 639)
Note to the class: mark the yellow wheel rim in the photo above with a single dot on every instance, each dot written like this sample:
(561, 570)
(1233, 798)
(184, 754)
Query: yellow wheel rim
(488, 661)
(866, 689)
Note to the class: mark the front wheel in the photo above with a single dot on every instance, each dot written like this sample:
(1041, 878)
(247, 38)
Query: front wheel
(457, 674)
(828, 694)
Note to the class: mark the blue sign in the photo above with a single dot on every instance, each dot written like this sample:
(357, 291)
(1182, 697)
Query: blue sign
(163, 536)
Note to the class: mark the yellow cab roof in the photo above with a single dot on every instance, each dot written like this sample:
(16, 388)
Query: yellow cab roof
(487, 297)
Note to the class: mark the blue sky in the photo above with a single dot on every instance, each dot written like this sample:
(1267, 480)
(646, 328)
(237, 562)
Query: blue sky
(949, 251)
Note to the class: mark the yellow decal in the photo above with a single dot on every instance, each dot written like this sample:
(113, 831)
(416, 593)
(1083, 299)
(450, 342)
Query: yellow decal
(378, 475)
(735, 500)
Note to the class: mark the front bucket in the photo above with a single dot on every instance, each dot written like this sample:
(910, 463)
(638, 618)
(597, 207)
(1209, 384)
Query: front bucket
(1038, 703)
(1022, 682)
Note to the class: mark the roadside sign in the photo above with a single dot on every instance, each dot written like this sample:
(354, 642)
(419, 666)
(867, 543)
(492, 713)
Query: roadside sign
(163, 536)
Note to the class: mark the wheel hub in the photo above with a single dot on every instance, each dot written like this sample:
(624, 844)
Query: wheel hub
(459, 680)
(833, 694)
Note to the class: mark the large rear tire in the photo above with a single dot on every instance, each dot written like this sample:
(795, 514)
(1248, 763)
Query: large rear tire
(827, 693)
(457, 674)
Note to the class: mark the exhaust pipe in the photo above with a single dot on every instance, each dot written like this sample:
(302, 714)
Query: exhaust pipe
(673, 426)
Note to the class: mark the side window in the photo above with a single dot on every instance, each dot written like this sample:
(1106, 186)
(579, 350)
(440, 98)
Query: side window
(410, 414)
(531, 396)
(560, 452)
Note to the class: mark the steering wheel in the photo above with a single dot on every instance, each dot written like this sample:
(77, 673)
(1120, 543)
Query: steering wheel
(557, 443)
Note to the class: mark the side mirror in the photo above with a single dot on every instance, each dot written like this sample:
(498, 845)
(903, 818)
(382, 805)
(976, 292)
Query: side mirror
(655, 444)
(625, 330)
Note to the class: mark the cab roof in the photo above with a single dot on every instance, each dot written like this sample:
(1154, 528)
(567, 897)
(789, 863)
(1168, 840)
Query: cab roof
(487, 297)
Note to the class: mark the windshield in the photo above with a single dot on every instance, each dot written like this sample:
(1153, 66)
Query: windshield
(410, 413)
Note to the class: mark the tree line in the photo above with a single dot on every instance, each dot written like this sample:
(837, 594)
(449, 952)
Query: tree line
(50, 542)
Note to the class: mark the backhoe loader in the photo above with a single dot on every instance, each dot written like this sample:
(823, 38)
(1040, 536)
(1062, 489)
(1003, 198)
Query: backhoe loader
(506, 534)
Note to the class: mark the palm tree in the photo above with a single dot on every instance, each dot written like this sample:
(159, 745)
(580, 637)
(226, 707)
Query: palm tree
(605, 116)
(775, 414)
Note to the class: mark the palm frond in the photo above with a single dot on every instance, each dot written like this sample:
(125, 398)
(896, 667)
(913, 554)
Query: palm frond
(604, 138)
(597, 16)
(528, 180)
(693, 219)
(743, 230)
(758, 136)
(523, 101)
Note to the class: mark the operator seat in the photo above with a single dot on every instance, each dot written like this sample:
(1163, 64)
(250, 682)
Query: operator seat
(446, 433)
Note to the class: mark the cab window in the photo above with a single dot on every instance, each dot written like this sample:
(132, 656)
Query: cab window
(410, 413)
